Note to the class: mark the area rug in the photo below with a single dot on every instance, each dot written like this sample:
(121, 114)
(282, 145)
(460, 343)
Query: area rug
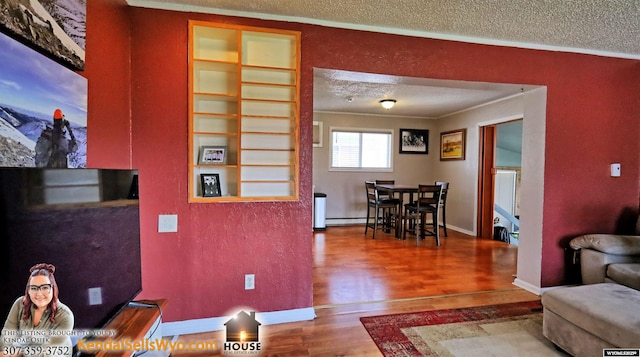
(513, 329)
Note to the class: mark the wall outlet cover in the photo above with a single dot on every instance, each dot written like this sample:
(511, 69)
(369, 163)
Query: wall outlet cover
(615, 170)
(95, 296)
(249, 281)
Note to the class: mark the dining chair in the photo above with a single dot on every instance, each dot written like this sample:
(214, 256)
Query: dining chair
(429, 197)
(390, 219)
(387, 206)
(385, 182)
(443, 204)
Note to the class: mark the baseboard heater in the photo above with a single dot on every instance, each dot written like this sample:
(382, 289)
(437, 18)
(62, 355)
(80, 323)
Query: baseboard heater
(345, 221)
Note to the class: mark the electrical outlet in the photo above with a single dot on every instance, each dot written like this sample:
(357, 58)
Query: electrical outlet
(95, 296)
(249, 282)
(167, 223)
(615, 170)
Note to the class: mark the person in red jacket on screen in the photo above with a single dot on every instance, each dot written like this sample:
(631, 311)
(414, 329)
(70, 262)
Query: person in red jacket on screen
(53, 146)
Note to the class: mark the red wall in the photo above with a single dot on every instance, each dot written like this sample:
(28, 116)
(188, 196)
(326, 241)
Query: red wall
(201, 268)
(109, 76)
(592, 121)
(593, 109)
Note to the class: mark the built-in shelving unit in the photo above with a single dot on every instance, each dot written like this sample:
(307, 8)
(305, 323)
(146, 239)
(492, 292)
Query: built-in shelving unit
(244, 98)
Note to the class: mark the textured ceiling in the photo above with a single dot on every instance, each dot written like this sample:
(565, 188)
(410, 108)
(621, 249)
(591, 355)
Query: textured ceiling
(601, 27)
(610, 27)
(355, 92)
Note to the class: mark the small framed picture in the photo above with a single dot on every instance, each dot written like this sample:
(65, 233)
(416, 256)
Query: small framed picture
(414, 141)
(452, 144)
(210, 185)
(213, 155)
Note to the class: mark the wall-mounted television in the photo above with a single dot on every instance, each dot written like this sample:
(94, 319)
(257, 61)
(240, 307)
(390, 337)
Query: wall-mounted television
(86, 222)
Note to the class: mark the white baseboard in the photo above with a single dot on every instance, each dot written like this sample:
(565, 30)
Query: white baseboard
(528, 287)
(463, 231)
(534, 289)
(217, 323)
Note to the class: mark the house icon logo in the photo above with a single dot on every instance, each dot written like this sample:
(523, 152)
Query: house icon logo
(243, 334)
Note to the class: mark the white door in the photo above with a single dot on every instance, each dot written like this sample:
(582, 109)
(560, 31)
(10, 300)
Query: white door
(505, 196)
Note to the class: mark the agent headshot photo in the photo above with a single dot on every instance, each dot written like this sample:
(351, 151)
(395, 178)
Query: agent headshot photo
(38, 324)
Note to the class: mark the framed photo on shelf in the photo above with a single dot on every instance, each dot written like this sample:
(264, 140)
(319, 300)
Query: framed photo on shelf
(414, 141)
(210, 185)
(213, 155)
(452, 144)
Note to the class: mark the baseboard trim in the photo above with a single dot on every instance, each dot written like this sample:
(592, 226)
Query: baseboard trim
(463, 231)
(217, 323)
(528, 287)
(535, 289)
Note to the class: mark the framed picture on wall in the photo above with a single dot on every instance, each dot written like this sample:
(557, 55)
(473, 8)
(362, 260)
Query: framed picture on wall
(55, 28)
(213, 155)
(414, 141)
(452, 144)
(210, 185)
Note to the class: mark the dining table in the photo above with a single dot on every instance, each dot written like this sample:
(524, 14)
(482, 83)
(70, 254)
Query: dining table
(398, 191)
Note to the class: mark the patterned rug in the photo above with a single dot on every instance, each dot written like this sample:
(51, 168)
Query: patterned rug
(513, 329)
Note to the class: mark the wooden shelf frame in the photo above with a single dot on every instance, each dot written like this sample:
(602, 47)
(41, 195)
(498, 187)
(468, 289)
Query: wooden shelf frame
(244, 85)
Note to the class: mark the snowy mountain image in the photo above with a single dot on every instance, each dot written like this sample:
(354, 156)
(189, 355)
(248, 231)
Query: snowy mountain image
(54, 27)
(70, 15)
(33, 89)
(19, 133)
(17, 149)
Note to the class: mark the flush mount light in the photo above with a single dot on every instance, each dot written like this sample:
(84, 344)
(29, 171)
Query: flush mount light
(388, 103)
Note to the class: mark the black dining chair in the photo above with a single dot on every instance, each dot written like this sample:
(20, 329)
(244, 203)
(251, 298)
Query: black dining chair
(443, 204)
(389, 218)
(385, 182)
(382, 207)
(415, 215)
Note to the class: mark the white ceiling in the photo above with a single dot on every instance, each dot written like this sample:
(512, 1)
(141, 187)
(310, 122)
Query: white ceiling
(355, 92)
(600, 27)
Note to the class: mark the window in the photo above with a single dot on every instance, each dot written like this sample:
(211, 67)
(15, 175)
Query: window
(361, 149)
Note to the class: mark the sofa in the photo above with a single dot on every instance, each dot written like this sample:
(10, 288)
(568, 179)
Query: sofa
(609, 258)
(603, 312)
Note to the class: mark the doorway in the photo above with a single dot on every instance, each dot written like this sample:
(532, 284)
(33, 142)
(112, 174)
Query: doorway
(531, 106)
(499, 183)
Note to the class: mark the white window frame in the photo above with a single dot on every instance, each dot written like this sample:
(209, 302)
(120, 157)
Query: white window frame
(361, 130)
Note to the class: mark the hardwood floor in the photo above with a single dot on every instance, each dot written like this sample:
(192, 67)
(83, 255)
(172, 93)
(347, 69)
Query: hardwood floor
(357, 276)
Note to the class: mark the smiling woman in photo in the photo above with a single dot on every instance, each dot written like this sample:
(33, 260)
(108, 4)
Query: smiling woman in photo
(34, 317)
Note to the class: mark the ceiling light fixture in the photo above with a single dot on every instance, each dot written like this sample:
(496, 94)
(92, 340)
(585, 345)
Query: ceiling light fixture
(388, 103)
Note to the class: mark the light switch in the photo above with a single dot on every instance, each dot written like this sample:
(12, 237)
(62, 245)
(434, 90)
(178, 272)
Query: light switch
(615, 170)
(167, 223)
